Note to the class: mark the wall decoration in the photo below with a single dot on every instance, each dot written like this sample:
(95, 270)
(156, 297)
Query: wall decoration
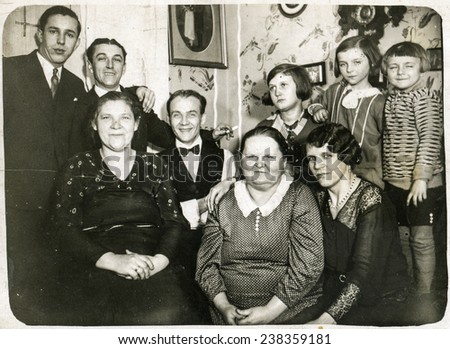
(291, 10)
(316, 73)
(202, 78)
(435, 56)
(197, 36)
(369, 20)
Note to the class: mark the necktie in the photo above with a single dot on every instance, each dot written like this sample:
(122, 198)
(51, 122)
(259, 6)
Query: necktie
(54, 81)
(290, 133)
(185, 151)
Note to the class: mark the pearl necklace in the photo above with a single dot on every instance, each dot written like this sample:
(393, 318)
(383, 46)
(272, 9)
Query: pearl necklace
(346, 196)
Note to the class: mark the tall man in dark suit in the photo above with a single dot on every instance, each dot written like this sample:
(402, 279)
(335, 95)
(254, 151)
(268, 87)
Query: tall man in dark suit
(41, 101)
(196, 164)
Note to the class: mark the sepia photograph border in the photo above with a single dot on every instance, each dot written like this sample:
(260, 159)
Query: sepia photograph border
(55, 336)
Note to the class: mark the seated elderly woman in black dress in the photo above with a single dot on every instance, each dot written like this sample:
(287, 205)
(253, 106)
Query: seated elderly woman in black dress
(364, 267)
(261, 254)
(118, 222)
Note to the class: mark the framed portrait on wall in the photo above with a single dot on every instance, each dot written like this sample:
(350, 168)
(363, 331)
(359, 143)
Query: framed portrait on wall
(316, 73)
(197, 36)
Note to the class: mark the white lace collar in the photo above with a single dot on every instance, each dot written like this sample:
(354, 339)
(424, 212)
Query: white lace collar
(247, 205)
(351, 99)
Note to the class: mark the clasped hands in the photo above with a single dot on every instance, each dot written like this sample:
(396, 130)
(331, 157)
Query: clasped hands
(133, 266)
(250, 316)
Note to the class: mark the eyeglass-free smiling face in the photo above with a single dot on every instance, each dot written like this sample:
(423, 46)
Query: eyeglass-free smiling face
(108, 66)
(116, 125)
(403, 72)
(185, 118)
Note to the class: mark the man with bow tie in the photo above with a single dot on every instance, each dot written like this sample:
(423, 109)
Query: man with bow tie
(196, 164)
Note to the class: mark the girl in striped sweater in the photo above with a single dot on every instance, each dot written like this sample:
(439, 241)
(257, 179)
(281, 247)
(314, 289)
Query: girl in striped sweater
(412, 166)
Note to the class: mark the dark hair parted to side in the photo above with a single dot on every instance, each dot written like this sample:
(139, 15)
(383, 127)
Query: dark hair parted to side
(187, 94)
(339, 140)
(100, 41)
(58, 10)
(407, 49)
(270, 132)
(367, 46)
(298, 74)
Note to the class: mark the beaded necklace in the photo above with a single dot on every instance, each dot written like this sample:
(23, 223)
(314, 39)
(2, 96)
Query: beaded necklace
(346, 196)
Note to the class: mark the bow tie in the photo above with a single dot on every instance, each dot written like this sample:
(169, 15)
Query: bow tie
(185, 151)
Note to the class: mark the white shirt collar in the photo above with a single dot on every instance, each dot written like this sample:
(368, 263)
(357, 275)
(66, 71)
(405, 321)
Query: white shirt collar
(47, 67)
(247, 205)
(198, 141)
(352, 98)
(101, 91)
(279, 123)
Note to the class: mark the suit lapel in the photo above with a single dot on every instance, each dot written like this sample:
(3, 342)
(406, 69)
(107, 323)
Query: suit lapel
(38, 86)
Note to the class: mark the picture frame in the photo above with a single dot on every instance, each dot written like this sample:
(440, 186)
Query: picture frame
(197, 36)
(316, 73)
(435, 57)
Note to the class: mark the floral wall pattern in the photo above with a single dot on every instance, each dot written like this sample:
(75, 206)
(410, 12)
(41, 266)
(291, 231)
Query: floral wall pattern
(259, 37)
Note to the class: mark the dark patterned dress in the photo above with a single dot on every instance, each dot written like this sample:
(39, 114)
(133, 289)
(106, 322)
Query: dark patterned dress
(95, 213)
(253, 253)
(363, 258)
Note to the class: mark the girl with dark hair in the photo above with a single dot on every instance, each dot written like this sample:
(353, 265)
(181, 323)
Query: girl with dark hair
(262, 252)
(355, 103)
(289, 86)
(364, 266)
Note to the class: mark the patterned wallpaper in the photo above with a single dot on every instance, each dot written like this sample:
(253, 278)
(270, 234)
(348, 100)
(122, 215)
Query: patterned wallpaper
(259, 37)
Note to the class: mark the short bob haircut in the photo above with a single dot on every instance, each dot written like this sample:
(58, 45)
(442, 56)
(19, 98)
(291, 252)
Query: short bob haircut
(270, 132)
(58, 10)
(300, 77)
(367, 46)
(406, 49)
(100, 41)
(339, 141)
(187, 94)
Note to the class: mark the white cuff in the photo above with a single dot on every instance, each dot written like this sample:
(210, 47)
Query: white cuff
(314, 107)
(191, 212)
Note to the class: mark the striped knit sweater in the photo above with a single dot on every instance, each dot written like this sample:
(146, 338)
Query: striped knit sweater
(412, 138)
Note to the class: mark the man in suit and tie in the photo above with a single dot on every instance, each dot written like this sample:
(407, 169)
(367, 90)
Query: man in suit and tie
(196, 164)
(107, 63)
(41, 101)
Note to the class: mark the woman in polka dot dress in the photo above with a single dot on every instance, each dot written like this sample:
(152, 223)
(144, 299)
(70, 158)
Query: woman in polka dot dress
(262, 252)
(117, 224)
